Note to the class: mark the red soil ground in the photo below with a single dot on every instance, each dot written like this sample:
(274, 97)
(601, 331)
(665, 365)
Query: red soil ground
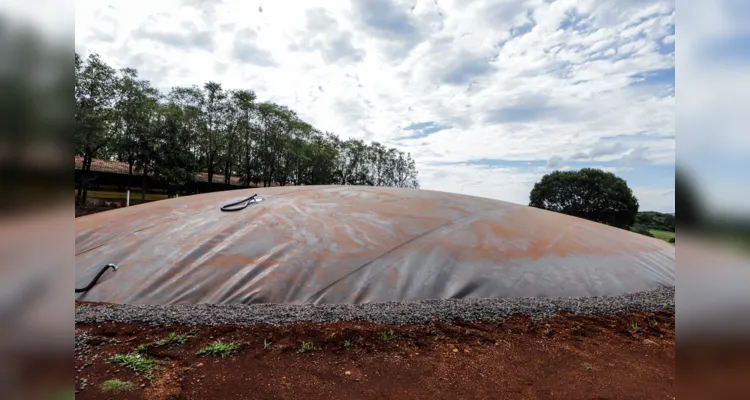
(629, 356)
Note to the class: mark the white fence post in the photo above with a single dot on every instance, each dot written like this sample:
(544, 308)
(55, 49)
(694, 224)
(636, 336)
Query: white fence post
(127, 201)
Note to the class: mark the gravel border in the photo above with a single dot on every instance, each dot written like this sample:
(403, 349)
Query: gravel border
(399, 313)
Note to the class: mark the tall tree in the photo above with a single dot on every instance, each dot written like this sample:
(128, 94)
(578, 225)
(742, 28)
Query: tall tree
(135, 106)
(209, 130)
(95, 112)
(172, 164)
(589, 193)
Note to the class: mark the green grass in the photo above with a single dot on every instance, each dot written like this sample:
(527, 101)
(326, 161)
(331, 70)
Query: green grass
(117, 386)
(388, 336)
(219, 349)
(663, 235)
(170, 341)
(138, 363)
(305, 347)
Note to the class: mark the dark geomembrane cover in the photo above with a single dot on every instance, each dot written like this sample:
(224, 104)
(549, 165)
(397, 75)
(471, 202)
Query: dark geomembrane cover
(355, 244)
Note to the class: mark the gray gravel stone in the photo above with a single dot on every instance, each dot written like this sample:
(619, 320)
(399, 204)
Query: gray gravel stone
(399, 313)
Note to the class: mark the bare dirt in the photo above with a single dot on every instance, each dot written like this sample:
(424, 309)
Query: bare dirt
(626, 356)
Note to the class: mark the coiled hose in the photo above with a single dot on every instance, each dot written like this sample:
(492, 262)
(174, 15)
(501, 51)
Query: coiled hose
(96, 278)
(246, 201)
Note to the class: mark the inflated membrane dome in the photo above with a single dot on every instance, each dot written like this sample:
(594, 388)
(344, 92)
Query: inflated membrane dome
(354, 244)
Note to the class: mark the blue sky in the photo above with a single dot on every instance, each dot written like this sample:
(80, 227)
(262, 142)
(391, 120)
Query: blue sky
(487, 96)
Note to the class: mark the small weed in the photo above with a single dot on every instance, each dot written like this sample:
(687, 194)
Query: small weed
(305, 347)
(435, 339)
(388, 336)
(117, 386)
(546, 332)
(348, 344)
(138, 363)
(654, 323)
(665, 305)
(170, 341)
(219, 349)
(634, 327)
(266, 344)
(143, 348)
(586, 366)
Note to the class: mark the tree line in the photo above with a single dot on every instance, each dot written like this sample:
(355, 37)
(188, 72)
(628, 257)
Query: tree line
(173, 136)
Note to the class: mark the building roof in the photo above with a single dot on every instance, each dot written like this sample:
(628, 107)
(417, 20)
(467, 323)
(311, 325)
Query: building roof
(119, 167)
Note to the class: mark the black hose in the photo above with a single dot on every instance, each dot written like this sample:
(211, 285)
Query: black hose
(96, 278)
(247, 201)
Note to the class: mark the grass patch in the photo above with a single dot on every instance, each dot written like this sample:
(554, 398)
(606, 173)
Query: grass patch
(117, 386)
(388, 336)
(170, 341)
(138, 363)
(663, 235)
(219, 348)
(305, 347)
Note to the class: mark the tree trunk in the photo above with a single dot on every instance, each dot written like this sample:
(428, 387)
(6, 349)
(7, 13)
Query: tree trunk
(81, 199)
(88, 171)
(210, 173)
(247, 169)
(226, 173)
(130, 171)
(143, 185)
(81, 179)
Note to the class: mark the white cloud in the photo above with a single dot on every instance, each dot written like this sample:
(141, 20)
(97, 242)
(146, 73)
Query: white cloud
(507, 184)
(502, 76)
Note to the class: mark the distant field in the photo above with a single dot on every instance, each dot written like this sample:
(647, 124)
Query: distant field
(663, 235)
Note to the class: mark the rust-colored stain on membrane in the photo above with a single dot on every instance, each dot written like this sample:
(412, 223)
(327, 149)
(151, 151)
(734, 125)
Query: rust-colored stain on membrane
(353, 244)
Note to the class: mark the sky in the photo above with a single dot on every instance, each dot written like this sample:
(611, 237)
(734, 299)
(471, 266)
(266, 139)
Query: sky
(487, 96)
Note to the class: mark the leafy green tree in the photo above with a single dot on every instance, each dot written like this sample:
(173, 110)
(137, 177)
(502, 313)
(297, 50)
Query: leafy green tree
(95, 85)
(210, 130)
(173, 164)
(590, 193)
(655, 220)
(134, 111)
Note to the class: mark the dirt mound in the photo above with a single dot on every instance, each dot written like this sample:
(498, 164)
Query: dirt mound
(626, 356)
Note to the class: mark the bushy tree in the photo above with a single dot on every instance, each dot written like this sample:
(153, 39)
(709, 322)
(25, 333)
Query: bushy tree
(590, 193)
(214, 130)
